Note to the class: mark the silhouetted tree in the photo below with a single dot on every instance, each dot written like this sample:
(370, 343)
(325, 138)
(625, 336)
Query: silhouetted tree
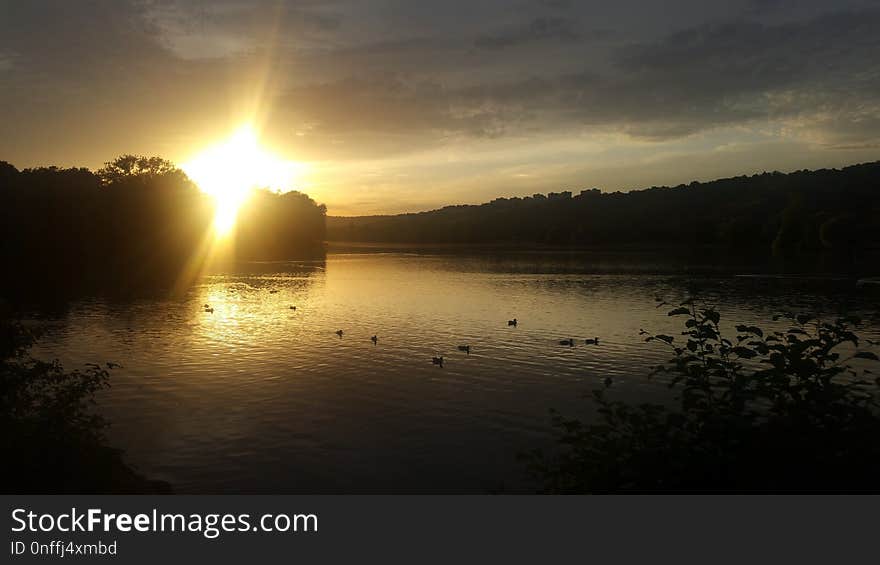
(134, 165)
(277, 226)
(139, 221)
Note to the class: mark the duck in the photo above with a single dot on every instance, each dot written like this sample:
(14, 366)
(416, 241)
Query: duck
(293, 308)
(374, 339)
(594, 341)
(273, 291)
(511, 322)
(437, 361)
(465, 348)
(209, 309)
(568, 342)
(339, 333)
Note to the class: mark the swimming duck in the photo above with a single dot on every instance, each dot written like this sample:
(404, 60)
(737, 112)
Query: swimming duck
(594, 341)
(339, 333)
(465, 348)
(374, 339)
(511, 322)
(437, 361)
(568, 342)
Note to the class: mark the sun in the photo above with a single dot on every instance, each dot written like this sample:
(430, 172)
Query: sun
(231, 169)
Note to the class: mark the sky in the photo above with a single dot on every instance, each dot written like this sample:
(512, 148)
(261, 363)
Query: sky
(390, 106)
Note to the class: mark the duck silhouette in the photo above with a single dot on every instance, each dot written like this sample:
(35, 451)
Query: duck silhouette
(594, 341)
(293, 307)
(511, 322)
(374, 339)
(437, 361)
(339, 333)
(465, 348)
(568, 342)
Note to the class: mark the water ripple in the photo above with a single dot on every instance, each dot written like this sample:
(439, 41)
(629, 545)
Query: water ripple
(257, 396)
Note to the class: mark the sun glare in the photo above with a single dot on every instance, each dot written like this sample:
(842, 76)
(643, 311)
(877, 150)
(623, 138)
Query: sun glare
(230, 170)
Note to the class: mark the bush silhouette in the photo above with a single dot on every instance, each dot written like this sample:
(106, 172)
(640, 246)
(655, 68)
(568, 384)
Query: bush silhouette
(764, 411)
(53, 439)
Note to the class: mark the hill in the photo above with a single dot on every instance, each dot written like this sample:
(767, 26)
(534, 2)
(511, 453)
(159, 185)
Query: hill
(803, 213)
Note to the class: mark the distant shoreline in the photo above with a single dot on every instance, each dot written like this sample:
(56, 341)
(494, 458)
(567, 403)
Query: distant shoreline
(675, 257)
(514, 246)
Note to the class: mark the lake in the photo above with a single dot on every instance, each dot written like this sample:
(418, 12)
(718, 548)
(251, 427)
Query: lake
(258, 397)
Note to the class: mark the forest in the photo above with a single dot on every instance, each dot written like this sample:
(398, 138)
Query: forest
(136, 221)
(795, 215)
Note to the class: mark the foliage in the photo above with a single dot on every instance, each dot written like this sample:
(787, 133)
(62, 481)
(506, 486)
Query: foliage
(38, 394)
(52, 438)
(137, 222)
(278, 226)
(791, 409)
(126, 166)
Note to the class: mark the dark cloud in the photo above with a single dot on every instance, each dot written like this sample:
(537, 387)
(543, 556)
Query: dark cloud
(724, 73)
(556, 4)
(60, 39)
(371, 116)
(819, 74)
(387, 77)
(539, 29)
(240, 26)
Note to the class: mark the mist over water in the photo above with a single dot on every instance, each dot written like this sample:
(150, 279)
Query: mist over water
(258, 397)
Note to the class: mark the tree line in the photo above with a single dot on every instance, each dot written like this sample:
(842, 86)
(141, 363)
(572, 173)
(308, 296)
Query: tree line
(138, 220)
(791, 216)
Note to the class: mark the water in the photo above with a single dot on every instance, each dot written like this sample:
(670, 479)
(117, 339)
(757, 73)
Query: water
(257, 397)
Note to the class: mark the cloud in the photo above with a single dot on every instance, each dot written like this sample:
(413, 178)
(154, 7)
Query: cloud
(356, 80)
(740, 71)
(88, 81)
(224, 28)
(60, 40)
(539, 29)
(370, 116)
(819, 74)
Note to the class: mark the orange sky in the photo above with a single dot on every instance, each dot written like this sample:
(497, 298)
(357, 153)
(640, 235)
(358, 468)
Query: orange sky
(388, 106)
